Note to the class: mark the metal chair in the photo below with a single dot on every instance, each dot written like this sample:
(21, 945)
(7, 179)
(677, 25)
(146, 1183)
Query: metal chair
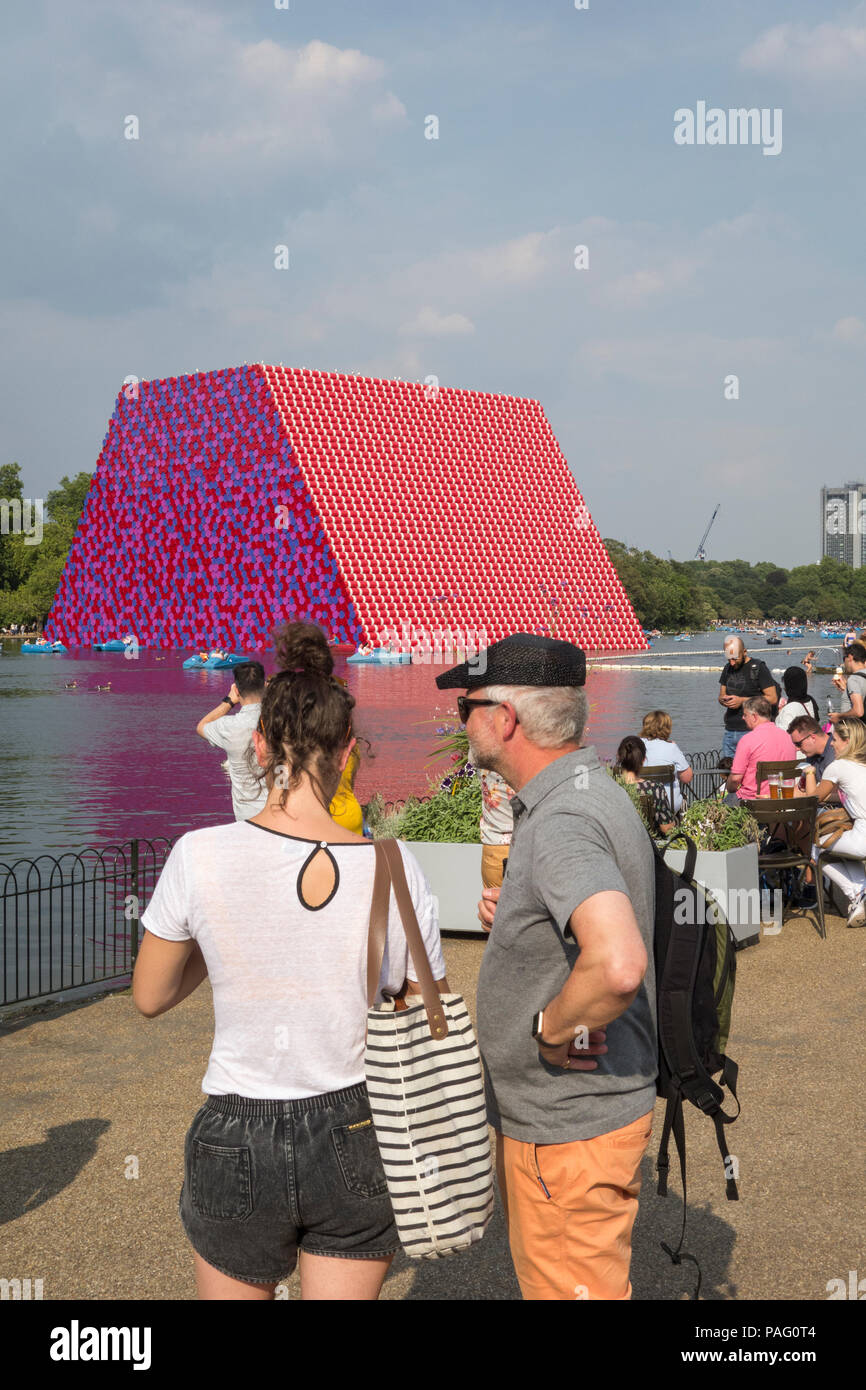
(663, 772)
(825, 856)
(803, 810)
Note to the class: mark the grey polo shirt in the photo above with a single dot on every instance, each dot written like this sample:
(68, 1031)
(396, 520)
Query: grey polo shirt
(576, 833)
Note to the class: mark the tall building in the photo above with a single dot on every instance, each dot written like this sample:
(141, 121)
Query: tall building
(227, 501)
(843, 523)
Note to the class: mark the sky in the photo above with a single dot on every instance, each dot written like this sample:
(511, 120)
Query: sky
(308, 127)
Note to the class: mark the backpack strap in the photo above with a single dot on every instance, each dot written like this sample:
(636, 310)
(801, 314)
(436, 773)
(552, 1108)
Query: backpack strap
(730, 1072)
(674, 1122)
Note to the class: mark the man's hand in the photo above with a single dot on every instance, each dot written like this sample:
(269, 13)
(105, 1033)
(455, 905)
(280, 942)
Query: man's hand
(487, 907)
(234, 694)
(732, 701)
(573, 1058)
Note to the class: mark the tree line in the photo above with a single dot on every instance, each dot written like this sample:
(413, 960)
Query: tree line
(30, 572)
(674, 594)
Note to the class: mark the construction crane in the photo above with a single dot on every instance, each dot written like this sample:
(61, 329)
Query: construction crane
(700, 553)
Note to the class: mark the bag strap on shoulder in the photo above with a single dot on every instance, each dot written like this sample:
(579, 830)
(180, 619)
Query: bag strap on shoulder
(389, 870)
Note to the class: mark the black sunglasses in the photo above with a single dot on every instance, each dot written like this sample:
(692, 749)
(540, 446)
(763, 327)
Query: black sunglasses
(465, 706)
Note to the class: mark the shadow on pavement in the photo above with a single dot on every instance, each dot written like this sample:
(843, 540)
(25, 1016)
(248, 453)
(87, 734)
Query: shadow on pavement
(35, 1173)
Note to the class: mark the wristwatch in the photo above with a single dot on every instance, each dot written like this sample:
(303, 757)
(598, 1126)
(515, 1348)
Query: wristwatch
(537, 1021)
(227, 700)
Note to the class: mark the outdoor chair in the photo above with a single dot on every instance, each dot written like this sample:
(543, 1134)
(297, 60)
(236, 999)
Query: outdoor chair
(787, 814)
(664, 772)
(787, 768)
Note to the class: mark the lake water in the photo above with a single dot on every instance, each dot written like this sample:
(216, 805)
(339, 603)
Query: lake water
(80, 767)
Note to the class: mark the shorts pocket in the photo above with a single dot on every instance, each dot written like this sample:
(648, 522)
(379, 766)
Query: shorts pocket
(359, 1159)
(220, 1181)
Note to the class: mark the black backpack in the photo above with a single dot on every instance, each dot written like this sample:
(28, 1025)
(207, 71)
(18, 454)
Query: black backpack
(695, 966)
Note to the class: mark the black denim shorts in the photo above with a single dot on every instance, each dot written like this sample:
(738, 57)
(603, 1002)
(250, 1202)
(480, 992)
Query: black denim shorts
(265, 1178)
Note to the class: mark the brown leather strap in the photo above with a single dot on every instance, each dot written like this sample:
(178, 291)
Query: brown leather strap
(389, 857)
(378, 931)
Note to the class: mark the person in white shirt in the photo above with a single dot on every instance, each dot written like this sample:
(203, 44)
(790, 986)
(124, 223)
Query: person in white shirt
(798, 703)
(846, 775)
(661, 751)
(283, 1158)
(497, 825)
(234, 734)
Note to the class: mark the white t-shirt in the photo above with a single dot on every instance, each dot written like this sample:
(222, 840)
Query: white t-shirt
(289, 982)
(661, 752)
(850, 778)
(794, 709)
(234, 733)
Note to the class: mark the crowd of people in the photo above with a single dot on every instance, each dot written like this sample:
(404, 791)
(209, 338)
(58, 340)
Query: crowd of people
(282, 1167)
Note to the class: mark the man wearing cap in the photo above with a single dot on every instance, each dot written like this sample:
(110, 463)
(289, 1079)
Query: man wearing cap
(566, 992)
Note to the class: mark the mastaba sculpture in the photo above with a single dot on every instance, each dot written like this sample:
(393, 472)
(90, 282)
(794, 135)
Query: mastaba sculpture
(228, 501)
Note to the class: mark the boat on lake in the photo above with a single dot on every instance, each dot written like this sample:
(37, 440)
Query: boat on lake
(380, 656)
(214, 663)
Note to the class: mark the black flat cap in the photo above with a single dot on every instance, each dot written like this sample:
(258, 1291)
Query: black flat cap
(522, 659)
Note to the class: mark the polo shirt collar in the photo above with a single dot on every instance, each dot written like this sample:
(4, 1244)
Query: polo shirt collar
(560, 770)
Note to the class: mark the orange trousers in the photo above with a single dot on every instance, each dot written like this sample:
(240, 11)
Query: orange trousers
(570, 1209)
(492, 857)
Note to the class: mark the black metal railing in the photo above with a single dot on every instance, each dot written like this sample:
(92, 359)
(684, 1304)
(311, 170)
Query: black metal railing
(74, 920)
(704, 783)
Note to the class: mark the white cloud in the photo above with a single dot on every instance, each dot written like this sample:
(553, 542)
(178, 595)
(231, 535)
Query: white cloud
(821, 51)
(849, 330)
(431, 323)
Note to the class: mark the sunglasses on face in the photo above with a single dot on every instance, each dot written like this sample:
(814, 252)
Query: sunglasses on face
(465, 706)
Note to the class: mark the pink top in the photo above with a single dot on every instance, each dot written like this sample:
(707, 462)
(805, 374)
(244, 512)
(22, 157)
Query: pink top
(768, 744)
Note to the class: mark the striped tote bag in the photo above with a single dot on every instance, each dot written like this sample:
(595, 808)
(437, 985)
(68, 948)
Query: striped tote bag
(426, 1091)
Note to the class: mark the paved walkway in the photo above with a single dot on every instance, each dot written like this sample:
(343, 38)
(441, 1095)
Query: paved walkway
(89, 1089)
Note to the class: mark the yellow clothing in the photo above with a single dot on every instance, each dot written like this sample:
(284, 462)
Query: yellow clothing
(345, 807)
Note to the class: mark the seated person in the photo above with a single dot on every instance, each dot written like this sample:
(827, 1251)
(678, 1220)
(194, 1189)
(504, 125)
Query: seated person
(763, 742)
(809, 738)
(846, 774)
(630, 758)
(661, 751)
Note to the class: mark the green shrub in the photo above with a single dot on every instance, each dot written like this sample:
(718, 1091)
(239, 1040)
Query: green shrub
(714, 826)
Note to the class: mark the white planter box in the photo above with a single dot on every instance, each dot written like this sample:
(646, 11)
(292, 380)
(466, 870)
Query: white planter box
(731, 876)
(454, 874)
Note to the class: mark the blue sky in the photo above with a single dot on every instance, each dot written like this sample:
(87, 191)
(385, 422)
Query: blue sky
(455, 256)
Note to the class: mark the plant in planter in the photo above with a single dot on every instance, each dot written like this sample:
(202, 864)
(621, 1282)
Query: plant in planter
(714, 826)
(727, 839)
(443, 830)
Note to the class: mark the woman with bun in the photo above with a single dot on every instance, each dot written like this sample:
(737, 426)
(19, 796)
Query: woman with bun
(281, 1162)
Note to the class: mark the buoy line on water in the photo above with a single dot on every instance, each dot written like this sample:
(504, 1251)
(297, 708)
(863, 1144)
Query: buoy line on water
(619, 666)
(719, 652)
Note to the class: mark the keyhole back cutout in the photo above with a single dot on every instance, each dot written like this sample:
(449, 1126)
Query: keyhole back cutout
(318, 879)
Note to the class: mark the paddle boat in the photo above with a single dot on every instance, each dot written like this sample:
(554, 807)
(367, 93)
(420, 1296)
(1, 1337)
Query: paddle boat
(683, 637)
(774, 641)
(213, 662)
(42, 648)
(834, 636)
(379, 656)
(116, 644)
